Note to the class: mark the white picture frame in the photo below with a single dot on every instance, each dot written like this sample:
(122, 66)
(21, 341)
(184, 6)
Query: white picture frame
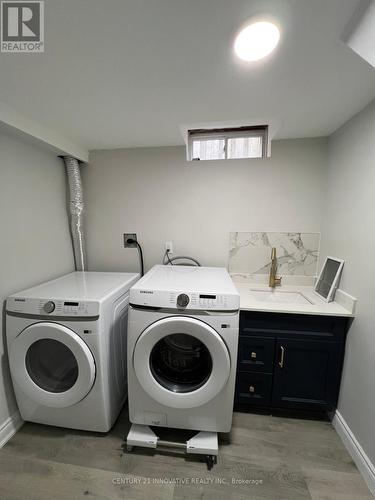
(334, 283)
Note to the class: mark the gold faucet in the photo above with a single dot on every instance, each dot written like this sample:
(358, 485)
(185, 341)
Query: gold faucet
(274, 281)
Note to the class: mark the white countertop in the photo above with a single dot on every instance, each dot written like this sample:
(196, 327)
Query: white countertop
(314, 306)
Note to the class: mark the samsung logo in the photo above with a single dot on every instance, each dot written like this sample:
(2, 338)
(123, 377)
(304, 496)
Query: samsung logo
(146, 291)
(19, 300)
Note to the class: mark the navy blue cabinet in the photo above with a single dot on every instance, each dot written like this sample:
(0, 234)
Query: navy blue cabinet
(290, 361)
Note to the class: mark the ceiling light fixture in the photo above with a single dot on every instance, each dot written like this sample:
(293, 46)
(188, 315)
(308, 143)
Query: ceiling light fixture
(256, 41)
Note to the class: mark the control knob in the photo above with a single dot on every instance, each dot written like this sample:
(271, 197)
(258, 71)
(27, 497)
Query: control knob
(182, 300)
(49, 307)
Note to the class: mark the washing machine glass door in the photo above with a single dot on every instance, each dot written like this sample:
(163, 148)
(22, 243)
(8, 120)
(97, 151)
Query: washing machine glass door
(52, 365)
(181, 362)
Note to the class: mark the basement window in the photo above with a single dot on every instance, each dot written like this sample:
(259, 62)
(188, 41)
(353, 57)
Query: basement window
(227, 143)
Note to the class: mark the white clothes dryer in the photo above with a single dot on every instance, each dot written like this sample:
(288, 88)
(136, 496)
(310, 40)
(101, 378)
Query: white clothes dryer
(67, 342)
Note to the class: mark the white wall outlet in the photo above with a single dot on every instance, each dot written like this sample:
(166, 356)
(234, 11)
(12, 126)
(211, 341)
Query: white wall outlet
(132, 236)
(169, 246)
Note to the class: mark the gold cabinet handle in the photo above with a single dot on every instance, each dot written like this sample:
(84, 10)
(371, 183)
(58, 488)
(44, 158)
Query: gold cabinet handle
(253, 355)
(281, 362)
(251, 388)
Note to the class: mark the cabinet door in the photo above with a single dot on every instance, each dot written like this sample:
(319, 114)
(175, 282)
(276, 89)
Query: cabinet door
(307, 374)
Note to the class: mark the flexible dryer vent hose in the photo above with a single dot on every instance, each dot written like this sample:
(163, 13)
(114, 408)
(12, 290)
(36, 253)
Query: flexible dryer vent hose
(76, 207)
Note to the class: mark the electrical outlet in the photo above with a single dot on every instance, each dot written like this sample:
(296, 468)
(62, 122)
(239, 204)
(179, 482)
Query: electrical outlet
(132, 236)
(169, 246)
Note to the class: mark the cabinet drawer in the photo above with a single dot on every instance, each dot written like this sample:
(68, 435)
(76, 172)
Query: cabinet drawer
(256, 354)
(253, 389)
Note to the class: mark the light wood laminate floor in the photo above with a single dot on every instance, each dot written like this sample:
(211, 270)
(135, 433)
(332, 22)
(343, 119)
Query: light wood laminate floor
(267, 458)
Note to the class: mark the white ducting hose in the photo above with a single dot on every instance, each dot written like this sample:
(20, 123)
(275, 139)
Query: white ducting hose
(76, 207)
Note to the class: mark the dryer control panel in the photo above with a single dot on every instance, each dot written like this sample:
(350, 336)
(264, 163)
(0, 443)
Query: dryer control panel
(51, 307)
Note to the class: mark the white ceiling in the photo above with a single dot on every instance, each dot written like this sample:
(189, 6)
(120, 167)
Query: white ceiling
(124, 73)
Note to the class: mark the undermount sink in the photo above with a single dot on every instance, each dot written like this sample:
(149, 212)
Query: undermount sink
(279, 297)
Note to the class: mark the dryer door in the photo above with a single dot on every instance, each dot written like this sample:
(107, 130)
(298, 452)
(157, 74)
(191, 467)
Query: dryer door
(181, 362)
(52, 365)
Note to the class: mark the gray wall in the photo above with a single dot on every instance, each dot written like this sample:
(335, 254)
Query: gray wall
(35, 243)
(156, 193)
(349, 233)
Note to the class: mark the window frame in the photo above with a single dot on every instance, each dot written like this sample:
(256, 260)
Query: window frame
(226, 134)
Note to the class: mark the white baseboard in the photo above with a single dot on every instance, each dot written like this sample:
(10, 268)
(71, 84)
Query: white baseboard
(10, 427)
(362, 461)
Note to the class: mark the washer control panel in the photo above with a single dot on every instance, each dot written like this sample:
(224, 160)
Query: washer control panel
(201, 301)
(184, 300)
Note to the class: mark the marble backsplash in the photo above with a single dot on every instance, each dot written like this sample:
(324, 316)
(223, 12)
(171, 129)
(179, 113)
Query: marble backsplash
(297, 253)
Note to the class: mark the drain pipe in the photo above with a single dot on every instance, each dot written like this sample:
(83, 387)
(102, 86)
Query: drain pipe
(76, 207)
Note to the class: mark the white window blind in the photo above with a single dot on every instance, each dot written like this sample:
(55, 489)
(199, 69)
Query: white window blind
(208, 149)
(227, 144)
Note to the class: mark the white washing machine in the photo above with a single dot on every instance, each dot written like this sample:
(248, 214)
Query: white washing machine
(67, 343)
(182, 349)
